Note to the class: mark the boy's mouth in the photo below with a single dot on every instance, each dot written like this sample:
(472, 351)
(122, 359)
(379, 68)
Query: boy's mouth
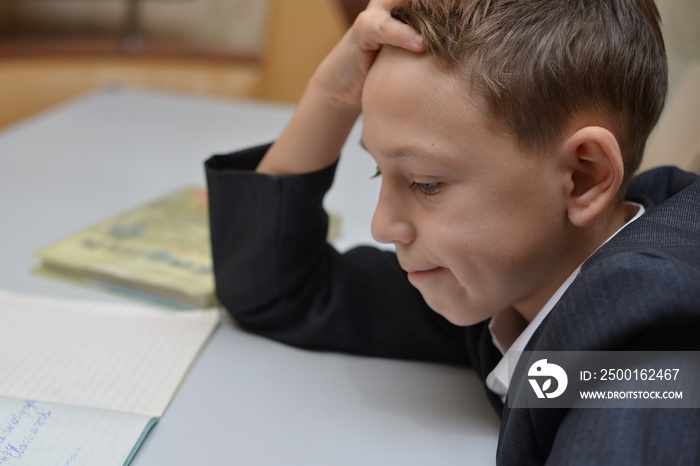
(417, 275)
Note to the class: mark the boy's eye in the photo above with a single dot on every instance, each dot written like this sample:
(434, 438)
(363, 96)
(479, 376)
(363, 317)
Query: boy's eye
(425, 188)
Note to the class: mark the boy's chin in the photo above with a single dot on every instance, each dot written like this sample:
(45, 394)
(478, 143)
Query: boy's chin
(455, 314)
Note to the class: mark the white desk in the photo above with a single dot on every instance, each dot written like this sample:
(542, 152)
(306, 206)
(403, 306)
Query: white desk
(247, 400)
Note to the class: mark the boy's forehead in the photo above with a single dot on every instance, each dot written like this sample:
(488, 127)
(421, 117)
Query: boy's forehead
(420, 78)
(420, 74)
(415, 90)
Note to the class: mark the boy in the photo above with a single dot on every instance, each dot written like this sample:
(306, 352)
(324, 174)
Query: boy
(505, 152)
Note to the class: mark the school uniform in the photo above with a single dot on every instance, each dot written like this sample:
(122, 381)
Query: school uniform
(277, 276)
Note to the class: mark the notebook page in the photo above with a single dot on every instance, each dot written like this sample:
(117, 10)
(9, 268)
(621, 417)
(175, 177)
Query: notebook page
(38, 433)
(113, 356)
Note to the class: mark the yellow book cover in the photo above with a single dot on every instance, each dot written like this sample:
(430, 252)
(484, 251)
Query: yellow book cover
(161, 248)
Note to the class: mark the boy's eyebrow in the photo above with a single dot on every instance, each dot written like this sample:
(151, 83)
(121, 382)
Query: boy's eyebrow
(406, 150)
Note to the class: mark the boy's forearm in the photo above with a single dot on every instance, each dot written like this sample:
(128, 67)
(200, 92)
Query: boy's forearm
(312, 139)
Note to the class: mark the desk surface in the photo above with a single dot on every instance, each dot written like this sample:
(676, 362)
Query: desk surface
(247, 400)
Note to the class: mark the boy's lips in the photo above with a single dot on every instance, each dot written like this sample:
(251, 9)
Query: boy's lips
(416, 275)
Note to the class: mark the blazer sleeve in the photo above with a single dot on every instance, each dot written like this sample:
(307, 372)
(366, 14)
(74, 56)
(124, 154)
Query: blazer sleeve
(277, 276)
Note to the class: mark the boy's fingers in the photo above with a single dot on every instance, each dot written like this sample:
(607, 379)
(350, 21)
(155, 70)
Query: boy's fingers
(393, 32)
(377, 28)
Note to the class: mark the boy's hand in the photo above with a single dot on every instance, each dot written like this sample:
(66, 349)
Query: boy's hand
(332, 101)
(341, 75)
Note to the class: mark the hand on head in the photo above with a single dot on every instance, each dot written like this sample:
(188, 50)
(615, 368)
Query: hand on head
(332, 101)
(342, 74)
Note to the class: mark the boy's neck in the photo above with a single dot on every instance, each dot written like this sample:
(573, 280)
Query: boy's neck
(584, 242)
(612, 220)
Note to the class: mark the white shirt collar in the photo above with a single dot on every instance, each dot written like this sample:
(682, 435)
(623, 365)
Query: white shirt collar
(497, 380)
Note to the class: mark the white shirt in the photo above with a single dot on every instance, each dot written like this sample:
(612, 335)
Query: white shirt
(497, 381)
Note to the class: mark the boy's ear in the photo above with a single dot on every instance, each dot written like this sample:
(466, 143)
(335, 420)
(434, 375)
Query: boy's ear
(594, 162)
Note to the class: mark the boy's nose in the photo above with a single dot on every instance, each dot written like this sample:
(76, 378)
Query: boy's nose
(390, 222)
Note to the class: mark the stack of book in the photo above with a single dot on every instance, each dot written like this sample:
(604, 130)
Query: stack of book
(158, 251)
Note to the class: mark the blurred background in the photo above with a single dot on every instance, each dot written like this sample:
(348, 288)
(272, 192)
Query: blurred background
(53, 50)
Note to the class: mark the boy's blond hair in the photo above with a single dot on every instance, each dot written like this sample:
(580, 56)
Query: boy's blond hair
(538, 63)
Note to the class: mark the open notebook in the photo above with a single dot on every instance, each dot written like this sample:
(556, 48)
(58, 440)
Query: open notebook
(82, 383)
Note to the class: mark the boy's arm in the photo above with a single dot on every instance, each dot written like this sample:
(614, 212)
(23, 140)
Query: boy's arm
(331, 102)
(277, 275)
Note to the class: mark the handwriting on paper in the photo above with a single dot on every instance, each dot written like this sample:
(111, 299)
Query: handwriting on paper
(73, 456)
(21, 430)
(41, 433)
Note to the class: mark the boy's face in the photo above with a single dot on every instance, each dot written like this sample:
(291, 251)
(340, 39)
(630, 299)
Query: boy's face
(478, 226)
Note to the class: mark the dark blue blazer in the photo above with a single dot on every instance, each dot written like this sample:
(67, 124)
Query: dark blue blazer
(277, 276)
(640, 291)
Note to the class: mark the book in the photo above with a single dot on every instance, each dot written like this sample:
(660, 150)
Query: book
(160, 249)
(159, 252)
(82, 383)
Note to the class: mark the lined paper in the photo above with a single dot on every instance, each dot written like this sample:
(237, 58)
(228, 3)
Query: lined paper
(38, 433)
(118, 357)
